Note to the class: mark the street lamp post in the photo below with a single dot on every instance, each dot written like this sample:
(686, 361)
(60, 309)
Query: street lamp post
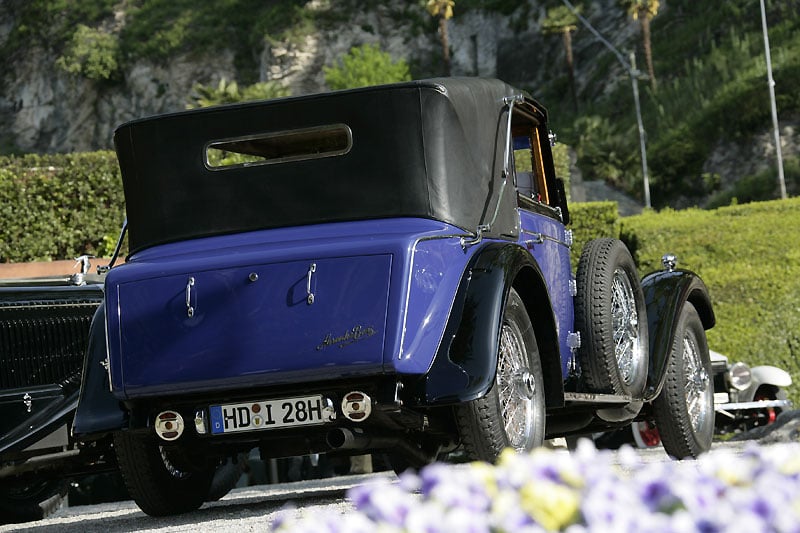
(634, 74)
(771, 82)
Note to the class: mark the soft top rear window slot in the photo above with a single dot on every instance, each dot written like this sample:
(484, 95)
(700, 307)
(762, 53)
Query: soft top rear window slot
(279, 147)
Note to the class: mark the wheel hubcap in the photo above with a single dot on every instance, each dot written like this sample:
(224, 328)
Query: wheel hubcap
(628, 346)
(698, 385)
(516, 389)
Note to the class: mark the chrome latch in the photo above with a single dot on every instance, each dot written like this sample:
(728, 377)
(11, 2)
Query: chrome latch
(311, 270)
(28, 401)
(189, 308)
(200, 422)
(569, 238)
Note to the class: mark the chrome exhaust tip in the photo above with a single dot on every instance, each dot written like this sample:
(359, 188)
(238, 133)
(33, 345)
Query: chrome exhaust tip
(169, 425)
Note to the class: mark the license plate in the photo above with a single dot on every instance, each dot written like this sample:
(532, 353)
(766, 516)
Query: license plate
(270, 414)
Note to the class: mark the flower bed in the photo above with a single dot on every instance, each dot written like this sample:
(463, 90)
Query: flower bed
(588, 490)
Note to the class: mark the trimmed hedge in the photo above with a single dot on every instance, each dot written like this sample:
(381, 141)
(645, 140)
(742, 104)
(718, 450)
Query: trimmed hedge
(749, 257)
(59, 206)
(592, 220)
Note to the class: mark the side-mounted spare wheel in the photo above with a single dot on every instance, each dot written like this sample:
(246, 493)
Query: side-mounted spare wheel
(511, 414)
(611, 316)
(684, 409)
(162, 480)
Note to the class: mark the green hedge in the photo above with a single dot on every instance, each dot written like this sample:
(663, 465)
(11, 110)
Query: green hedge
(59, 206)
(749, 257)
(591, 220)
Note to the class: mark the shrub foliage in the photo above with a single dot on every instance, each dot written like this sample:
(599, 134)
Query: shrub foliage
(58, 206)
(749, 257)
(365, 65)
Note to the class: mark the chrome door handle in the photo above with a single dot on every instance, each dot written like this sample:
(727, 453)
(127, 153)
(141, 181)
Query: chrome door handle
(310, 295)
(189, 308)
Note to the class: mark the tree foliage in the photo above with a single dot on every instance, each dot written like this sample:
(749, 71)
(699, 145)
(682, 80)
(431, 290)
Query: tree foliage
(92, 53)
(644, 11)
(228, 92)
(443, 10)
(363, 66)
(562, 21)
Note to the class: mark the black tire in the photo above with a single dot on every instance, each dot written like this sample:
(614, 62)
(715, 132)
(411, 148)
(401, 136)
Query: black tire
(684, 410)
(30, 501)
(226, 477)
(611, 316)
(162, 481)
(517, 394)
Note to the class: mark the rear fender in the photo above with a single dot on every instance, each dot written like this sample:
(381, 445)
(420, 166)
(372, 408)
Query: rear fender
(98, 412)
(665, 294)
(466, 362)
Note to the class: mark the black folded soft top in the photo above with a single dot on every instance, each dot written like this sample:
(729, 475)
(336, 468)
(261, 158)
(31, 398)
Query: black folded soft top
(430, 149)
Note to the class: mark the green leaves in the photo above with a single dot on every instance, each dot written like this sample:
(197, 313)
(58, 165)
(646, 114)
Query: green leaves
(228, 92)
(748, 257)
(363, 66)
(92, 53)
(58, 206)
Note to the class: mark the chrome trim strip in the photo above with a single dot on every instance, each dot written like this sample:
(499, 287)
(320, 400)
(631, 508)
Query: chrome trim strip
(543, 237)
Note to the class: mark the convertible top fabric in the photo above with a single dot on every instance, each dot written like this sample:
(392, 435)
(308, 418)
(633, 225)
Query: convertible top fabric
(430, 149)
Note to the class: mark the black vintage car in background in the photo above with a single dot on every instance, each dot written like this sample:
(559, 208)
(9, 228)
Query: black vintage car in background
(44, 336)
(44, 327)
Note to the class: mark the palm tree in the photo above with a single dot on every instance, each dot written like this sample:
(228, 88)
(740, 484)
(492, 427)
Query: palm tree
(444, 10)
(644, 11)
(561, 20)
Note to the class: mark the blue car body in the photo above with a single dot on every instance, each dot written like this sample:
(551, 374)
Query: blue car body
(378, 262)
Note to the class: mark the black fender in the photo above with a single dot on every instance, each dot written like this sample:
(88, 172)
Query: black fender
(99, 412)
(665, 293)
(464, 366)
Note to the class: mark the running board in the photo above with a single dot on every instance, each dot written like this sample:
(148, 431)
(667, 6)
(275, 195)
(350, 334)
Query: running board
(590, 397)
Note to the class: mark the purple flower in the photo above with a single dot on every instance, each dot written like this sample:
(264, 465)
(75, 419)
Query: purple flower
(585, 491)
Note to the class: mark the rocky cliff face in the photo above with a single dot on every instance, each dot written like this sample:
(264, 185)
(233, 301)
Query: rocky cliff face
(44, 109)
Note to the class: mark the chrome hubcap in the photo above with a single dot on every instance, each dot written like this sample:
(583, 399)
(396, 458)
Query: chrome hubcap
(516, 388)
(628, 346)
(698, 385)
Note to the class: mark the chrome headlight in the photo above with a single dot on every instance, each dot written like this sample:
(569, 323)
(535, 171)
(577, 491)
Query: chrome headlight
(740, 376)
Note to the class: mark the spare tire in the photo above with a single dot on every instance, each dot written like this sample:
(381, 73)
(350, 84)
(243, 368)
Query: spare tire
(611, 316)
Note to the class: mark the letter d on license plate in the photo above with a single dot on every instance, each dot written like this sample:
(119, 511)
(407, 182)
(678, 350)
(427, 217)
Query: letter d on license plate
(269, 414)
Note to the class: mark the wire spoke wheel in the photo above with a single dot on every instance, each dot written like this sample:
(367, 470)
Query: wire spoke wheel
(511, 413)
(515, 388)
(628, 347)
(699, 403)
(684, 410)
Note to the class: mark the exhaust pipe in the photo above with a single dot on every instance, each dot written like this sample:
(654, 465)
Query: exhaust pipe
(347, 439)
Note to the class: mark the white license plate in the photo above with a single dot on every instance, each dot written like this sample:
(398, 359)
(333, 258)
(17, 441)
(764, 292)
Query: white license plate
(270, 414)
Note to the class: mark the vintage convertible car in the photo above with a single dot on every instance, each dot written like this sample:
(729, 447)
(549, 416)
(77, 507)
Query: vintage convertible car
(375, 270)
